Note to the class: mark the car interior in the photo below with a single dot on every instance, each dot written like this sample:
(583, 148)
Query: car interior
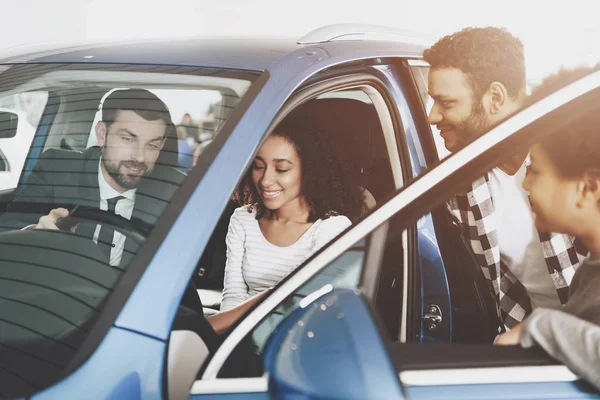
(356, 130)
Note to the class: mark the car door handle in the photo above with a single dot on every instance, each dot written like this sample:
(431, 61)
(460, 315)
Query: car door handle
(433, 317)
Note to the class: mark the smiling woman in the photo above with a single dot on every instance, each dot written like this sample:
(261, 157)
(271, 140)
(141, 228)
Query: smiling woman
(295, 198)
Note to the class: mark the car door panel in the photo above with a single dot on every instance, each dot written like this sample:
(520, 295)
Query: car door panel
(435, 308)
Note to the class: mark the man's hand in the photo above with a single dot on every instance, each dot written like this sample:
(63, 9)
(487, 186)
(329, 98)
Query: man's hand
(49, 221)
(510, 338)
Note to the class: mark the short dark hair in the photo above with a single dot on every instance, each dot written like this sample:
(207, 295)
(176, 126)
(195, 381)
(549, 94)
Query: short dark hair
(484, 55)
(576, 147)
(326, 184)
(143, 102)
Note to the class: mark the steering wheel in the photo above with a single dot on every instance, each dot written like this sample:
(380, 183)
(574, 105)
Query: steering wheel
(135, 230)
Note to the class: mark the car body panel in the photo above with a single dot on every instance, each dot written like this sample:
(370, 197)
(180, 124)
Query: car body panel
(335, 328)
(243, 54)
(126, 365)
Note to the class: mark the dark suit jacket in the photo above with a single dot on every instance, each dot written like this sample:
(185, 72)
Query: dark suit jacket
(64, 178)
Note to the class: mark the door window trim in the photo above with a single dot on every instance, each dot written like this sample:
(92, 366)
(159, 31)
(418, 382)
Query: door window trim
(487, 376)
(369, 280)
(323, 258)
(231, 385)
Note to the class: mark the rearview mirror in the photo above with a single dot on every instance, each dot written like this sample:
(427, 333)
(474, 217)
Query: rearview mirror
(8, 124)
(330, 348)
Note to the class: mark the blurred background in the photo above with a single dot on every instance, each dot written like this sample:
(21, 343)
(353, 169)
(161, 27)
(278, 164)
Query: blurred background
(554, 33)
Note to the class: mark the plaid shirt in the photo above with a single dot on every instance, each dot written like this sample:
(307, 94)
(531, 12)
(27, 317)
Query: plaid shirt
(475, 212)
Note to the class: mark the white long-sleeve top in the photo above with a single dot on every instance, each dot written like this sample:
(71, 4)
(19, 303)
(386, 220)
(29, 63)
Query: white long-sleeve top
(254, 264)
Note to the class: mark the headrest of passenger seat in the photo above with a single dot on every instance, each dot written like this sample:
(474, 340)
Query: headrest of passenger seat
(352, 124)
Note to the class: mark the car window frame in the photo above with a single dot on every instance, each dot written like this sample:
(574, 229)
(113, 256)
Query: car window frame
(318, 85)
(420, 196)
(131, 276)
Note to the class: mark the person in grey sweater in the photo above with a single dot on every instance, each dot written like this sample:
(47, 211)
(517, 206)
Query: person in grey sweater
(563, 182)
(569, 339)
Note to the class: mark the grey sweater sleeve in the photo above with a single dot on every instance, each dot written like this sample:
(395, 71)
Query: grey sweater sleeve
(570, 340)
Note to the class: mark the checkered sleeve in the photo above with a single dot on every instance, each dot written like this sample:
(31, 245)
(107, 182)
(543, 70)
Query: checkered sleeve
(562, 260)
(514, 301)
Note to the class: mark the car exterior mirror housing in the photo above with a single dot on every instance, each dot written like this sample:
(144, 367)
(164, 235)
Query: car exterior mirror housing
(332, 339)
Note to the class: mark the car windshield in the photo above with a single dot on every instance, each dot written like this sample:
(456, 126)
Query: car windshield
(90, 156)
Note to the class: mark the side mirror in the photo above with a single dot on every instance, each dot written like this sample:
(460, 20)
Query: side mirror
(8, 124)
(331, 348)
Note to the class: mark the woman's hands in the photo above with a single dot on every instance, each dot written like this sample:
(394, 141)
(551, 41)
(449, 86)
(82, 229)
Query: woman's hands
(223, 320)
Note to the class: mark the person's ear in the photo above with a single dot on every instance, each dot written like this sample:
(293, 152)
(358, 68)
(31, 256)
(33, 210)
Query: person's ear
(101, 131)
(589, 187)
(497, 96)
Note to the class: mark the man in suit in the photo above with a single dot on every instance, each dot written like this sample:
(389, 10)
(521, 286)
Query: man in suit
(130, 173)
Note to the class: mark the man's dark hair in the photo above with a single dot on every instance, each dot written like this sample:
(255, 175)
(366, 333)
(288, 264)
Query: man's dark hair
(141, 101)
(575, 148)
(484, 55)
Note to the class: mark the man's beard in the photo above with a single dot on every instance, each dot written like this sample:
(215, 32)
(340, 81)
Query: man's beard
(126, 181)
(474, 126)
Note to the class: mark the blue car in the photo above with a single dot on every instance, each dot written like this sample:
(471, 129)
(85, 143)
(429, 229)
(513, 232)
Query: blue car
(394, 307)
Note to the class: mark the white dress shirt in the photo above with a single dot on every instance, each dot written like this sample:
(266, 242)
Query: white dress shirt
(124, 208)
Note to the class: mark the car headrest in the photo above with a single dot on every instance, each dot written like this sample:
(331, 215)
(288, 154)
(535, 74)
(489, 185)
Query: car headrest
(352, 125)
(169, 155)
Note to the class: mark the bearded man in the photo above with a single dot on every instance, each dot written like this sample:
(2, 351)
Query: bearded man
(127, 174)
(477, 79)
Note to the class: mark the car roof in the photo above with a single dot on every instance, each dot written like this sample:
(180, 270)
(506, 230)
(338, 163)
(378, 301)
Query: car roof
(235, 53)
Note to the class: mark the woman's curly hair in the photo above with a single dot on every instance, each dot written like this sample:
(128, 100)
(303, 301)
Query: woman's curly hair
(327, 183)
